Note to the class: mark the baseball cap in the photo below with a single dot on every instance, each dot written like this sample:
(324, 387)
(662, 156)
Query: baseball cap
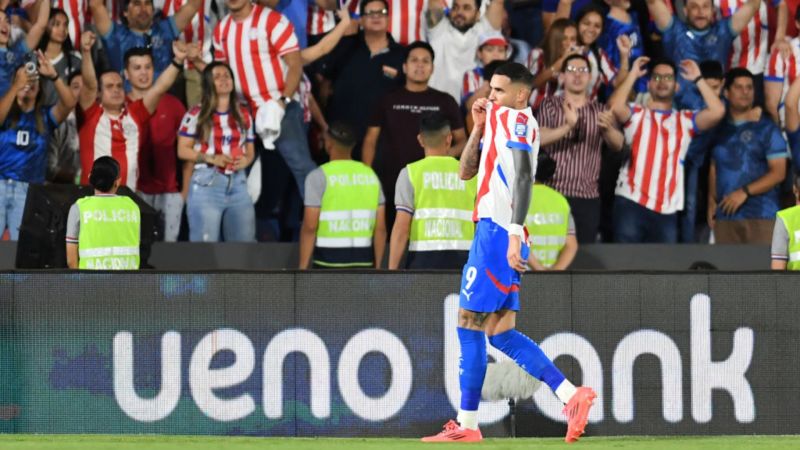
(494, 38)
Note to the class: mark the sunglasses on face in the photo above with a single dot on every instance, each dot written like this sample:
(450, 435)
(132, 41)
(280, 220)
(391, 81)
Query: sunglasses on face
(377, 13)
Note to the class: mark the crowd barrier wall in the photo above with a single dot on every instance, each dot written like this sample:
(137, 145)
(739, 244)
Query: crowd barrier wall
(375, 354)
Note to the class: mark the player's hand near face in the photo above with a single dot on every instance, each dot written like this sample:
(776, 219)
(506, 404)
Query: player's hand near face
(514, 255)
(479, 112)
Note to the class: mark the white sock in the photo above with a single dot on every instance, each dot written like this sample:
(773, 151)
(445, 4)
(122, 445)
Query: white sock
(565, 391)
(467, 419)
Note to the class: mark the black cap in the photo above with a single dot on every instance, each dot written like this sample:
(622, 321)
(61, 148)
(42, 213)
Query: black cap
(105, 171)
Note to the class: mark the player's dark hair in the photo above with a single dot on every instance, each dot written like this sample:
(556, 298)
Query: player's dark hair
(712, 69)
(105, 171)
(545, 167)
(737, 72)
(664, 62)
(419, 44)
(489, 69)
(137, 51)
(517, 73)
(573, 57)
(364, 3)
(343, 134)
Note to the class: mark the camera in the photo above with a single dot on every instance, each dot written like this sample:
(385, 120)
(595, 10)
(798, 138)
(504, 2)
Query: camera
(31, 62)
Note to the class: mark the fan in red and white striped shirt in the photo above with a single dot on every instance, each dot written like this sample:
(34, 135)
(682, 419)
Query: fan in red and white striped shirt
(197, 28)
(749, 49)
(225, 138)
(79, 15)
(321, 21)
(254, 48)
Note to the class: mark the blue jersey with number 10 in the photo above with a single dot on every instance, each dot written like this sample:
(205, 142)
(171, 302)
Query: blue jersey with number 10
(23, 150)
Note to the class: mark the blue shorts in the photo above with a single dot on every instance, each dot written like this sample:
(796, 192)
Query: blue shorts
(488, 283)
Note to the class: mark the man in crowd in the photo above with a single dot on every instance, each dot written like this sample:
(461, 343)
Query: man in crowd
(344, 220)
(362, 68)
(455, 40)
(549, 222)
(103, 230)
(650, 188)
(782, 70)
(574, 128)
(391, 140)
(142, 29)
(698, 39)
(114, 125)
(158, 163)
(749, 160)
(434, 206)
(750, 49)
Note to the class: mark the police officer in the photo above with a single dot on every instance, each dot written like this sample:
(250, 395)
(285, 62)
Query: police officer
(344, 223)
(550, 223)
(434, 205)
(103, 230)
(786, 235)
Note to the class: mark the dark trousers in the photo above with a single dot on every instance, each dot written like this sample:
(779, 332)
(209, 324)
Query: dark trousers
(633, 223)
(586, 213)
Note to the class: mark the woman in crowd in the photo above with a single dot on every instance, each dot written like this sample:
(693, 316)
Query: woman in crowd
(545, 62)
(11, 56)
(217, 136)
(24, 134)
(58, 49)
(604, 73)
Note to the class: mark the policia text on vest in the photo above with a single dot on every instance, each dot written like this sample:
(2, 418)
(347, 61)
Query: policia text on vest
(109, 233)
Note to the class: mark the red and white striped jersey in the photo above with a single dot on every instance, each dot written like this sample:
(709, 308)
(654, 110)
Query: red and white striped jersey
(653, 175)
(506, 130)
(225, 138)
(407, 20)
(119, 137)
(197, 28)
(750, 49)
(472, 80)
(254, 48)
(319, 21)
(603, 71)
(784, 70)
(79, 15)
(552, 87)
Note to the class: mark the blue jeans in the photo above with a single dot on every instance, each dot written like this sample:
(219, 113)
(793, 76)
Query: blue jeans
(633, 223)
(292, 144)
(218, 201)
(12, 204)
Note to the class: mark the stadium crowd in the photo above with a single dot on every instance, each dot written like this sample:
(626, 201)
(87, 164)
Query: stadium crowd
(338, 124)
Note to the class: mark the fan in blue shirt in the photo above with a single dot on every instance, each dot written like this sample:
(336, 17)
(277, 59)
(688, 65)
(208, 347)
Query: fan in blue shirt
(13, 55)
(24, 136)
(142, 29)
(748, 156)
(700, 38)
(620, 21)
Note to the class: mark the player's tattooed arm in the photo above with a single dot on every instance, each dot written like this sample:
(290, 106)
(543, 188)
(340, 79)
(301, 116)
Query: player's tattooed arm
(470, 157)
(522, 186)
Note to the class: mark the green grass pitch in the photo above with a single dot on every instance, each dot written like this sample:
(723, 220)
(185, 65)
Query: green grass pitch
(123, 442)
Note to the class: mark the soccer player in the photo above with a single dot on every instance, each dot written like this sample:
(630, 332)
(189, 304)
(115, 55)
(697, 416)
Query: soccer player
(489, 298)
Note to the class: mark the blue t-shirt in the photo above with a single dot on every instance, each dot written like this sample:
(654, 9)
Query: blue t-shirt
(682, 42)
(120, 39)
(10, 60)
(612, 29)
(741, 153)
(297, 13)
(550, 6)
(23, 151)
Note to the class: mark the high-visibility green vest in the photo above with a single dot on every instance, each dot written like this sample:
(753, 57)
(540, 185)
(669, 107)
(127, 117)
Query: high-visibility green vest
(443, 205)
(791, 218)
(547, 222)
(109, 233)
(347, 215)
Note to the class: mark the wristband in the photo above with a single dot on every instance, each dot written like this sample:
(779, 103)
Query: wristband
(516, 230)
(53, 78)
(746, 190)
(696, 80)
(177, 65)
